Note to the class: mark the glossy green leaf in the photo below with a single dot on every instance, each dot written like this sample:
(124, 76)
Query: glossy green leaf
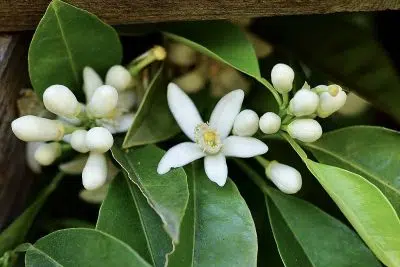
(16, 232)
(153, 121)
(167, 194)
(126, 215)
(81, 247)
(218, 229)
(365, 207)
(307, 236)
(66, 40)
(233, 49)
(372, 152)
(344, 51)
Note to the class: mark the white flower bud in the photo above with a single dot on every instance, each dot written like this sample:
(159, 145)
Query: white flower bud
(282, 77)
(47, 153)
(329, 104)
(119, 78)
(61, 101)
(75, 166)
(91, 81)
(78, 141)
(31, 148)
(120, 124)
(181, 55)
(246, 123)
(126, 101)
(99, 139)
(103, 102)
(94, 175)
(305, 130)
(30, 128)
(304, 102)
(270, 123)
(286, 178)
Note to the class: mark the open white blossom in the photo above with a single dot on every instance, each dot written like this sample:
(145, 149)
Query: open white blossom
(209, 140)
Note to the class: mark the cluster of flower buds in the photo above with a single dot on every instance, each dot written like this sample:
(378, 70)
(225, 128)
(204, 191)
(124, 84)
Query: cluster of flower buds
(86, 128)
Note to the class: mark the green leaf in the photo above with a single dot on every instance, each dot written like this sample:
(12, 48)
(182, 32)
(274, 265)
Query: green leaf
(342, 50)
(233, 49)
(307, 236)
(82, 247)
(372, 152)
(218, 229)
(365, 207)
(16, 232)
(126, 215)
(167, 194)
(66, 40)
(153, 121)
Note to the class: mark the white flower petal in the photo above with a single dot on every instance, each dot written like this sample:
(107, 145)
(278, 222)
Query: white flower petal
(216, 168)
(243, 147)
(179, 156)
(225, 112)
(91, 81)
(185, 112)
(31, 148)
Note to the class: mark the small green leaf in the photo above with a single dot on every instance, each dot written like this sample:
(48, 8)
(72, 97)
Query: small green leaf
(372, 152)
(218, 229)
(233, 49)
(82, 247)
(307, 236)
(16, 232)
(344, 51)
(365, 207)
(153, 121)
(66, 40)
(126, 215)
(167, 194)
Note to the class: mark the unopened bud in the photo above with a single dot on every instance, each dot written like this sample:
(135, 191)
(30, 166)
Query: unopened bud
(329, 104)
(282, 77)
(30, 128)
(304, 102)
(61, 101)
(181, 55)
(305, 130)
(47, 153)
(78, 141)
(94, 175)
(246, 123)
(270, 123)
(99, 139)
(286, 178)
(119, 78)
(31, 148)
(103, 102)
(91, 81)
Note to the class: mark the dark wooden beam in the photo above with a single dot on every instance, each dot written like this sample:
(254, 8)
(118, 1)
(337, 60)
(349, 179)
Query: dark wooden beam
(15, 179)
(18, 15)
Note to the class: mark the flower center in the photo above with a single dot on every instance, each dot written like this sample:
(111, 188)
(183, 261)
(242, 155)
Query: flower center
(207, 138)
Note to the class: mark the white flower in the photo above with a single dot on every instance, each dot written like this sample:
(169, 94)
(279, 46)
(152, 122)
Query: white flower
(270, 123)
(103, 102)
(47, 153)
(304, 102)
(30, 128)
(282, 77)
(210, 141)
(119, 78)
(78, 141)
(61, 101)
(331, 102)
(99, 139)
(286, 178)
(305, 130)
(246, 123)
(31, 148)
(91, 81)
(94, 175)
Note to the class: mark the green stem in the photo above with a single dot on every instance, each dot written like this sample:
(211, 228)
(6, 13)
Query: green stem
(272, 90)
(253, 175)
(295, 146)
(263, 162)
(68, 128)
(285, 103)
(287, 119)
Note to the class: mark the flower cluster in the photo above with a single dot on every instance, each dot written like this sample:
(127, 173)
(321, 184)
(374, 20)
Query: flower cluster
(86, 128)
